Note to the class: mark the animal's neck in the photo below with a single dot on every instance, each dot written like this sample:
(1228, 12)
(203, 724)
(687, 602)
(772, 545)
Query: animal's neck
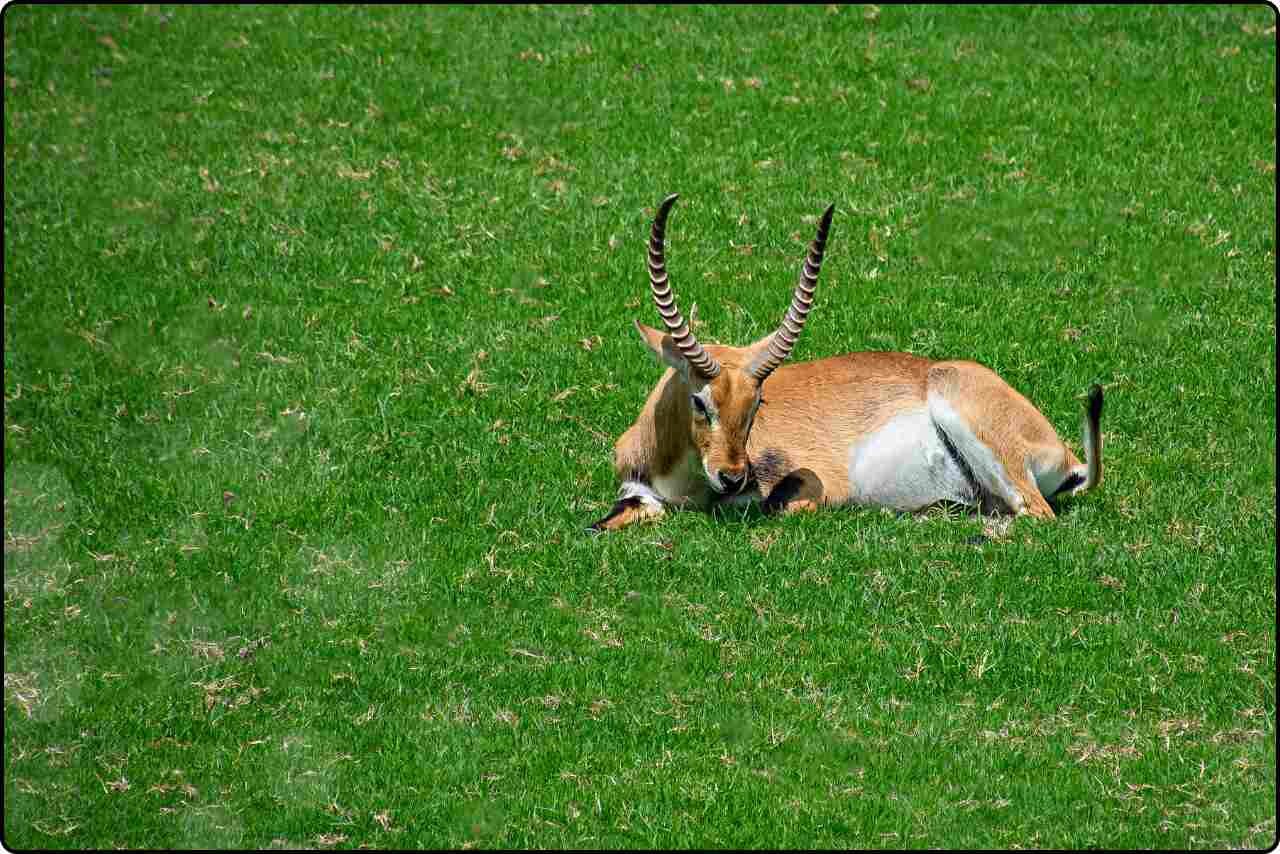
(671, 419)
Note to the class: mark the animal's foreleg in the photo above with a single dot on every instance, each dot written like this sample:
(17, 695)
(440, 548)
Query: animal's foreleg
(799, 490)
(637, 503)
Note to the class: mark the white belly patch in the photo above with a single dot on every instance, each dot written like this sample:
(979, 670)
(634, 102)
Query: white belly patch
(906, 465)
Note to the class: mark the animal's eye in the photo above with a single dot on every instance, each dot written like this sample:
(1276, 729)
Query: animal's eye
(698, 406)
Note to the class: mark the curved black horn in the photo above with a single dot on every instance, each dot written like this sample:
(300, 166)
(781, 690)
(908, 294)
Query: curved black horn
(698, 358)
(801, 301)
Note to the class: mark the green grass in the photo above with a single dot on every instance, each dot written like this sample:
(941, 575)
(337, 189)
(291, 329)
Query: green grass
(317, 335)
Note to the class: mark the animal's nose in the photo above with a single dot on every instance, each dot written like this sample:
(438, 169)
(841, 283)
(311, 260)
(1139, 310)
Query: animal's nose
(733, 482)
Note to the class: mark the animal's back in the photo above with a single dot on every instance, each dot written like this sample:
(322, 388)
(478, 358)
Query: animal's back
(814, 412)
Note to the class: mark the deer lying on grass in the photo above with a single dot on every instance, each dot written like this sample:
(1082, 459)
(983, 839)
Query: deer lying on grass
(733, 424)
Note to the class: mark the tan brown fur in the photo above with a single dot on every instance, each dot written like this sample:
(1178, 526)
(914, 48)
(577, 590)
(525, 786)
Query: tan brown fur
(809, 408)
(1005, 422)
(813, 412)
(813, 418)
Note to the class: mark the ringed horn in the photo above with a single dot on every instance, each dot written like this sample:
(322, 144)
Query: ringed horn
(801, 301)
(702, 363)
(782, 341)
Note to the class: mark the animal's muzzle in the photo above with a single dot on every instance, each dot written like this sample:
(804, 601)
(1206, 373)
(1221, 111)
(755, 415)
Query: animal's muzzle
(734, 482)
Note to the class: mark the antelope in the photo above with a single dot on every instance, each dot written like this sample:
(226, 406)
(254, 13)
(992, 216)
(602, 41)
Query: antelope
(734, 424)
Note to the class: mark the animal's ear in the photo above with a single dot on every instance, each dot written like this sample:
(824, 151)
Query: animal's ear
(664, 347)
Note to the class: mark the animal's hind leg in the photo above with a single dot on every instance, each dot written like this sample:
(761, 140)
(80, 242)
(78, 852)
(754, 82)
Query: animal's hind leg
(1026, 490)
(1034, 503)
(1001, 477)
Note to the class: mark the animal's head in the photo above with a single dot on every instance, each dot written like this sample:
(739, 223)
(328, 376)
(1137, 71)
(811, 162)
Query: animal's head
(723, 385)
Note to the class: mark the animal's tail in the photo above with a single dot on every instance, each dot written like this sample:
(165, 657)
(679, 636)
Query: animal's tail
(1091, 427)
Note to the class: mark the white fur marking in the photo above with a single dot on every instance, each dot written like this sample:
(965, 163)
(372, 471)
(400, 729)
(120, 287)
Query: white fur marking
(1085, 484)
(1048, 480)
(636, 489)
(904, 465)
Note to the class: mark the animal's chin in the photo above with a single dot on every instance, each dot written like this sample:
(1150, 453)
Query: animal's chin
(712, 482)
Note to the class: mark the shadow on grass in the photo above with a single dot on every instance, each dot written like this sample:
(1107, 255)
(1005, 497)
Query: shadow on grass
(756, 515)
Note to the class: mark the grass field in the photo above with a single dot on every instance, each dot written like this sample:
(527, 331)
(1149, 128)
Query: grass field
(317, 338)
